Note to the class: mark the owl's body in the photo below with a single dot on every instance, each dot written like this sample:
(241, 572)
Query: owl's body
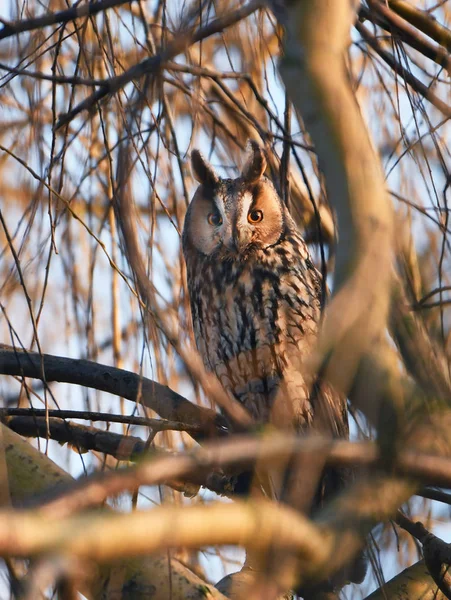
(255, 320)
(255, 297)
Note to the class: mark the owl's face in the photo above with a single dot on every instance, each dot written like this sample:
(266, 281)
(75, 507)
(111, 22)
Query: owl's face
(231, 218)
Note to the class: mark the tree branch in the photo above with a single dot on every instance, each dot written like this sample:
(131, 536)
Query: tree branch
(314, 72)
(154, 424)
(63, 16)
(109, 536)
(160, 398)
(437, 553)
(423, 359)
(152, 65)
(408, 77)
(204, 466)
(414, 583)
(422, 21)
(401, 29)
(31, 473)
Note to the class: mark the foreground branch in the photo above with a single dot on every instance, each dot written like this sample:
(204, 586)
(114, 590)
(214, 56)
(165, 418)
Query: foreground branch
(108, 536)
(31, 473)
(314, 72)
(258, 525)
(204, 466)
(436, 552)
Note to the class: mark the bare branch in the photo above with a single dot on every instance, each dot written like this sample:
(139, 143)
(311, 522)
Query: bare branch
(437, 553)
(413, 81)
(152, 65)
(63, 16)
(423, 21)
(164, 401)
(154, 424)
(414, 582)
(204, 466)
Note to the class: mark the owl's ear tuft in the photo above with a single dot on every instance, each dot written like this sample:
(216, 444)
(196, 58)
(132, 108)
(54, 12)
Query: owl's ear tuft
(202, 169)
(255, 165)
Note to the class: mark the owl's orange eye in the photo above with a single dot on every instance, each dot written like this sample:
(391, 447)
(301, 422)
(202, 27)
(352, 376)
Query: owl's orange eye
(214, 219)
(255, 216)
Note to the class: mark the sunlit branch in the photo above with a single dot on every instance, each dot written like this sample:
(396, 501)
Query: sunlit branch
(155, 63)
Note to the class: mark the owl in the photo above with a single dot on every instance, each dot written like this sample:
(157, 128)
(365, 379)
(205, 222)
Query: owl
(255, 298)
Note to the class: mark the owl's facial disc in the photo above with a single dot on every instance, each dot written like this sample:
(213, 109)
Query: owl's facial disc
(233, 218)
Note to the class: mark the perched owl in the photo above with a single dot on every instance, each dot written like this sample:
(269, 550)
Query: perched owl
(256, 305)
(255, 296)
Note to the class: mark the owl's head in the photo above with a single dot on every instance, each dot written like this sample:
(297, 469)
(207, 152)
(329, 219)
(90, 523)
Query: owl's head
(233, 217)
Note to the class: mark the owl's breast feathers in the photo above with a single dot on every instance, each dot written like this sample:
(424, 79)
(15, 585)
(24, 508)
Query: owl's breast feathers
(255, 322)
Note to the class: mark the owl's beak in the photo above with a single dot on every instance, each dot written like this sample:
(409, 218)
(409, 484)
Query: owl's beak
(239, 240)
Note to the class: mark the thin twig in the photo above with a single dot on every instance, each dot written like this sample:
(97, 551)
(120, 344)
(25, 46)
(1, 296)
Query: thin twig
(401, 71)
(152, 65)
(64, 16)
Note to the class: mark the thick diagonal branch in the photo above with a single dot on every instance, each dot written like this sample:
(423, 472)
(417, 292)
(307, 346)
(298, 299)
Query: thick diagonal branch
(160, 398)
(314, 72)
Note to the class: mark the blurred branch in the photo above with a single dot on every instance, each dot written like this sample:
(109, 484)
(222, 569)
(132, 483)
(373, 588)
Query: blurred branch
(314, 72)
(401, 71)
(31, 473)
(423, 21)
(319, 548)
(201, 463)
(353, 514)
(69, 575)
(164, 401)
(247, 584)
(63, 16)
(347, 519)
(205, 465)
(423, 359)
(103, 536)
(152, 65)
